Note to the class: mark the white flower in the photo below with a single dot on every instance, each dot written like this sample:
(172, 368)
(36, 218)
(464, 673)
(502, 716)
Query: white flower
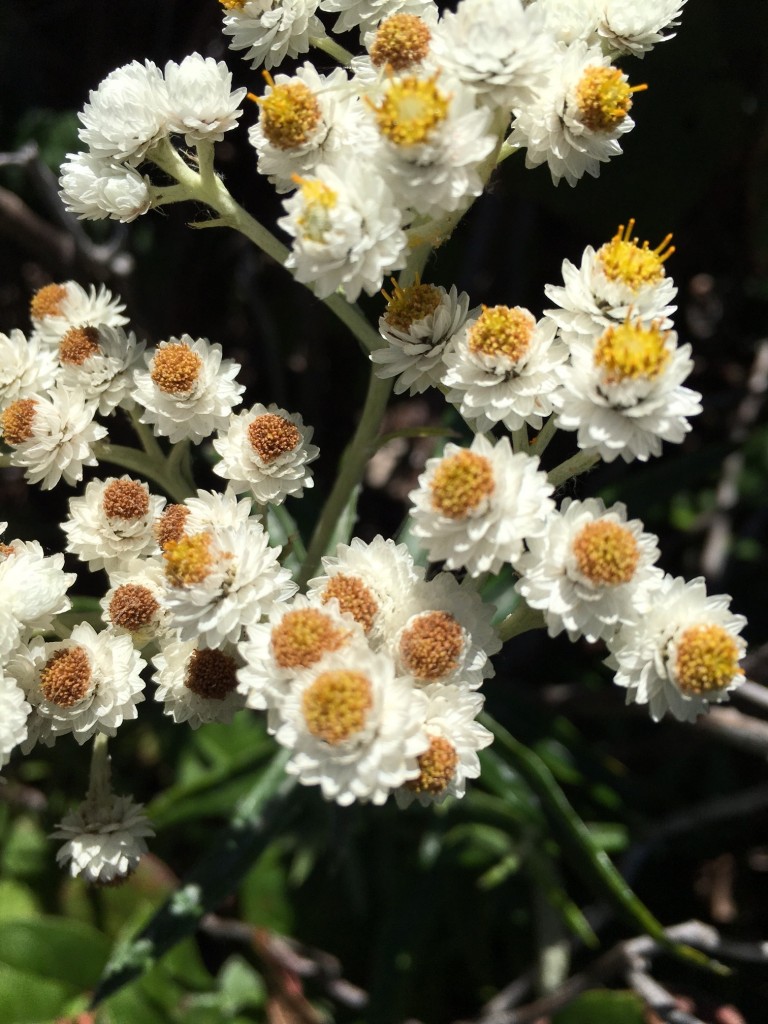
(105, 838)
(346, 231)
(591, 571)
(400, 44)
(296, 637)
(475, 506)
(88, 684)
(33, 589)
(433, 141)
(496, 47)
(25, 367)
(266, 450)
(197, 684)
(574, 122)
(112, 522)
(454, 740)
(271, 30)
(372, 582)
(202, 105)
(133, 605)
(623, 391)
(52, 436)
(502, 368)
(220, 581)
(682, 654)
(306, 120)
(570, 20)
(419, 325)
(14, 711)
(57, 307)
(94, 188)
(214, 509)
(446, 634)
(98, 362)
(188, 390)
(622, 278)
(366, 14)
(127, 114)
(353, 727)
(636, 26)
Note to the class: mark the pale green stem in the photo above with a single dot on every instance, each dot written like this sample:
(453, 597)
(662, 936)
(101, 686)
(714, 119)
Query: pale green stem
(577, 464)
(162, 195)
(293, 537)
(506, 151)
(332, 48)
(146, 437)
(521, 620)
(100, 776)
(520, 439)
(545, 435)
(131, 459)
(179, 463)
(5, 460)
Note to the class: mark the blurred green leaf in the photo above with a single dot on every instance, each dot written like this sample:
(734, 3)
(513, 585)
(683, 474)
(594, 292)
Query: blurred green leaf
(17, 901)
(27, 851)
(601, 1006)
(241, 986)
(64, 951)
(26, 998)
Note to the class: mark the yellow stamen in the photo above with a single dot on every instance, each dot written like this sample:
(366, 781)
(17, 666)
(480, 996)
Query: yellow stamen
(411, 110)
(437, 767)
(624, 259)
(707, 660)
(336, 705)
(461, 483)
(604, 98)
(502, 332)
(606, 553)
(632, 352)
(303, 636)
(431, 647)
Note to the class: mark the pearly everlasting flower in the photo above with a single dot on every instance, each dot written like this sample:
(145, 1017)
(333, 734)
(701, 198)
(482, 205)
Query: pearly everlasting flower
(197, 684)
(568, 21)
(127, 114)
(51, 436)
(267, 451)
(306, 120)
(202, 105)
(112, 522)
(25, 367)
(454, 737)
(57, 307)
(372, 582)
(133, 605)
(419, 326)
(88, 684)
(105, 838)
(95, 188)
(33, 589)
(475, 506)
(14, 711)
(187, 390)
(574, 122)
(623, 392)
(502, 368)
(366, 14)
(433, 142)
(98, 362)
(622, 278)
(634, 28)
(353, 727)
(346, 231)
(400, 44)
(296, 637)
(221, 581)
(592, 571)
(444, 634)
(217, 509)
(271, 30)
(498, 48)
(682, 654)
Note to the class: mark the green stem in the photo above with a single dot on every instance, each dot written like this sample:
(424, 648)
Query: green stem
(146, 437)
(139, 462)
(332, 48)
(353, 463)
(520, 439)
(578, 463)
(521, 620)
(100, 777)
(545, 435)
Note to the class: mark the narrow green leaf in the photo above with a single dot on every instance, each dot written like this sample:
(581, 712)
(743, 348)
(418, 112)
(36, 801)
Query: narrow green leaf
(601, 1006)
(61, 950)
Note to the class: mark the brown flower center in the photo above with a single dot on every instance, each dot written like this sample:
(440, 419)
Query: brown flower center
(335, 706)
(353, 597)
(303, 636)
(401, 40)
(170, 525)
(133, 607)
(430, 648)
(47, 301)
(211, 674)
(407, 306)
(175, 368)
(461, 483)
(501, 331)
(66, 677)
(707, 660)
(17, 421)
(125, 499)
(188, 560)
(437, 767)
(78, 344)
(272, 436)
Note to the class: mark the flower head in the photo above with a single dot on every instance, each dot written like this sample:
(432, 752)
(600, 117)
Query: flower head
(202, 105)
(105, 838)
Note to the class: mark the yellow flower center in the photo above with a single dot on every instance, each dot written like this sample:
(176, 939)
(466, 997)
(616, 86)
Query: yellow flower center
(400, 41)
(289, 115)
(175, 368)
(170, 525)
(631, 351)
(66, 677)
(707, 660)
(133, 607)
(335, 706)
(624, 259)
(411, 110)
(233, 5)
(188, 560)
(437, 767)
(430, 648)
(47, 301)
(407, 306)
(353, 597)
(604, 98)
(502, 332)
(125, 499)
(319, 200)
(211, 674)
(303, 636)
(461, 483)
(78, 344)
(606, 553)
(17, 421)
(272, 436)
